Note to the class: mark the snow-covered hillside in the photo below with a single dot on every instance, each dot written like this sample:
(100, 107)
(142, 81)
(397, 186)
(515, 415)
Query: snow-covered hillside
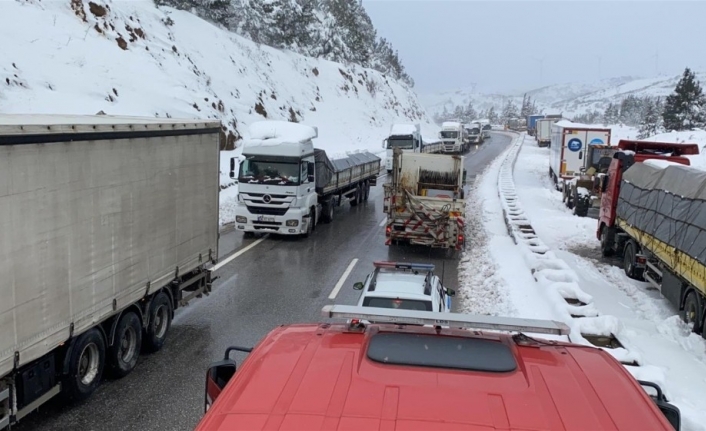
(120, 57)
(569, 99)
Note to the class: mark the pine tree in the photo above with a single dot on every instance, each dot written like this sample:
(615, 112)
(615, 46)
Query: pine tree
(649, 124)
(685, 108)
(492, 115)
(509, 111)
(612, 114)
(528, 106)
(469, 114)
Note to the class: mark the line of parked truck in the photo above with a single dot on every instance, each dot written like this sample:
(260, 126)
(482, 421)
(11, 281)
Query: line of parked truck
(109, 224)
(648, 203)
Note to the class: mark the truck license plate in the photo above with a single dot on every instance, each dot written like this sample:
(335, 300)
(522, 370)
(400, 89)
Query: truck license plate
(265, 218)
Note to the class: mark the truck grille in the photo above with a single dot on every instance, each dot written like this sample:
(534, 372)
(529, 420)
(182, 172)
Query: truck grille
(267, 211)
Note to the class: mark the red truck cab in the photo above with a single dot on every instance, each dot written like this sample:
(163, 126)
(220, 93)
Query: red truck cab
(634, 152)
(415, 370)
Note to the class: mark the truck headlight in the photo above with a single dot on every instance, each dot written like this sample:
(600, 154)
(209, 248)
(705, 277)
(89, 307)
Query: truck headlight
(241, 219)
(292, 222)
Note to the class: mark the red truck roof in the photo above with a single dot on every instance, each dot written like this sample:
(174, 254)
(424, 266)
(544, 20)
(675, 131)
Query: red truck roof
(328, 377)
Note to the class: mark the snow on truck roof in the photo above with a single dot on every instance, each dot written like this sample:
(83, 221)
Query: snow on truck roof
(277, 132)
(450, 124)
(571, 125)
(17, 124)
(323, 376)
(403, 129)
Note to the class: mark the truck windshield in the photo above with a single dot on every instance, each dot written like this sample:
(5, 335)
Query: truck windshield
(404, 143)
(401, 304)
(449, 134)
(475, 131)
(269, 171)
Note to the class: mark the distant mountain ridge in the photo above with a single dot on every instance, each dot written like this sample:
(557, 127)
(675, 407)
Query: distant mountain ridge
(567, 98)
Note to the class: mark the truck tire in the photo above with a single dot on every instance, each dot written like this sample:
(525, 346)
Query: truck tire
(160, 320)
(629, 261)
(123, 354)
(691, 312)
(354, 201)
(327, 211)
(607, 240)
(86, 363)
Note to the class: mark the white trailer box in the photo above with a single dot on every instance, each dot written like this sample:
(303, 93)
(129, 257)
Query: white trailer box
(98, 215)
(544, 131)
(568, 148)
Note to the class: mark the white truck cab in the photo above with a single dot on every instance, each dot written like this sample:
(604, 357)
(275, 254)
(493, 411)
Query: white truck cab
(452, 134)
(276, 180)
(407, 286)
(407, 137)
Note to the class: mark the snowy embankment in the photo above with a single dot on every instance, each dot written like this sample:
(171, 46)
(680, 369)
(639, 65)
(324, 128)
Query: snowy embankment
(132, 58)
(518, 204)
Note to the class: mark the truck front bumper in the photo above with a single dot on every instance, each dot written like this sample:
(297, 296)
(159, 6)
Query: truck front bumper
(291, 223)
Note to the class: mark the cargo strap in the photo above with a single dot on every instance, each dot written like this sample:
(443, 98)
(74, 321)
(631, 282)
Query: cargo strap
(426, 225)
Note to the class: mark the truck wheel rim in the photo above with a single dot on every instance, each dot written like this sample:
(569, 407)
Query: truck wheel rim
(128, 343)
(160, 321)
(88, 364)
(690, 312)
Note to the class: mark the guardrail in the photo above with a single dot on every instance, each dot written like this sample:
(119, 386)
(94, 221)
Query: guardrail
(588, 325)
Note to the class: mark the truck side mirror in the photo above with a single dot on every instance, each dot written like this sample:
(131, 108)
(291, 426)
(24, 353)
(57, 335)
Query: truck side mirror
(384, 143)
(450, 292)
(672, 413)
(604, 183)
(217, 377)
(358, 286)
(464, 175)
(232, 167)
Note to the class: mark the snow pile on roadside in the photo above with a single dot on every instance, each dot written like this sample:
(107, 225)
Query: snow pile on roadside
(489, 280)
(665, 351)
(558, 281)
(132, 58)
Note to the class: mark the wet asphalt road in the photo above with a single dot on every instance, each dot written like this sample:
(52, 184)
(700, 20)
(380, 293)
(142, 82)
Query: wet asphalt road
(278, 281)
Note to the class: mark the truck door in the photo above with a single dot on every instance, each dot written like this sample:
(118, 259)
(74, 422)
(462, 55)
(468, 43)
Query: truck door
(574, 152)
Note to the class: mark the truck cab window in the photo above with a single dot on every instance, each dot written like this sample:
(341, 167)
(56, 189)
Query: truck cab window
(305, 172)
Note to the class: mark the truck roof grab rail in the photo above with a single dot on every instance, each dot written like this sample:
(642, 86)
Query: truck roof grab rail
(454, 320)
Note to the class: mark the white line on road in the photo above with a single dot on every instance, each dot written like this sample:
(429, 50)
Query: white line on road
(342, 280)
(240, 252)
(382, 223)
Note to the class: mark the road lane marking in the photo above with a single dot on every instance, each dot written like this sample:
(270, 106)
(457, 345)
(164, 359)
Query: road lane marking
(342, 280)
(382, 223)
(240, 252)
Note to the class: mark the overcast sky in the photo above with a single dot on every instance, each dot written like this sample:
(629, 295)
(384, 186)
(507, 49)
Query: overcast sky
(497, 44)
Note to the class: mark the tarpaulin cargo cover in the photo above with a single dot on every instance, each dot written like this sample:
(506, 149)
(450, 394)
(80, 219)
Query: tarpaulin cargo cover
(668, 204)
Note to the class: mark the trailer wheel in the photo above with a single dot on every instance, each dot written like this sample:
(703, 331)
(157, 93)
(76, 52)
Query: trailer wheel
(123, 354)
(356, 198)
(629, 261)
(160, 315)
(86, 363)
(691, 312)
(327, 211)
